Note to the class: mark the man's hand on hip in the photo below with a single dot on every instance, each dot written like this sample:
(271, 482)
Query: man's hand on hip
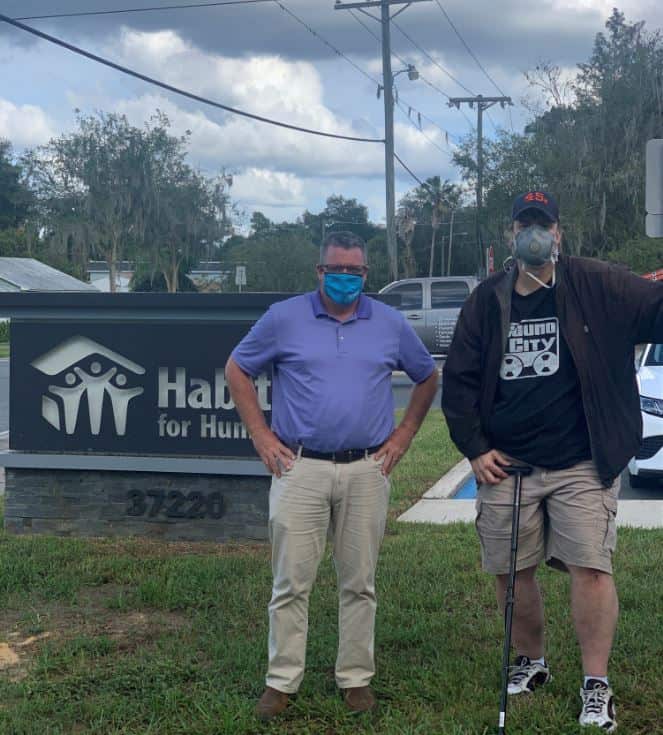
(393, 449)
(488, 467)
(273, 453)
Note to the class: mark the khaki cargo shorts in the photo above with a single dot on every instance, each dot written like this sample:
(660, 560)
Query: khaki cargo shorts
(566, 518)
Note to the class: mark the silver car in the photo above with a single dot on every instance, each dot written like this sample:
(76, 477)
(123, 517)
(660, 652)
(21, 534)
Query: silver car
(432, 305)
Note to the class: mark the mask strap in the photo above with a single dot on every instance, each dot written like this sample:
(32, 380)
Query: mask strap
(540, 282)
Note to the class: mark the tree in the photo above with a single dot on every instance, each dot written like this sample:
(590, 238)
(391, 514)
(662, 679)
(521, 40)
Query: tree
(339, 214)
(106, 157)
(260, 224)
(586, 144)
(13, 243)
(378, 262)
(15, 198)
(145, 279)
(111, 190)
(182, 221)
(275, 261)
(426, 207)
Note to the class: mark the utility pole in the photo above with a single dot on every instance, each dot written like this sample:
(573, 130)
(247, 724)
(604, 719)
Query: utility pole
(482, 103)
(388, 87)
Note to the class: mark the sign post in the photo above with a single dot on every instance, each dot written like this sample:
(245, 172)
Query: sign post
(490, 260)
(654, 194)
(240, 276)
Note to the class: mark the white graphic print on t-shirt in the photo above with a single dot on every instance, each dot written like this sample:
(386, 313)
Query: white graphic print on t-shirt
(532, 349)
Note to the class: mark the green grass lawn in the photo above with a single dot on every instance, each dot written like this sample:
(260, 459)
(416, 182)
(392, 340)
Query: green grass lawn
(4, 349)
(135, 637)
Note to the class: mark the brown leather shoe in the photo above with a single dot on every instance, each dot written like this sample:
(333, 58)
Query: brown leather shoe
(360, 699)
(271, 704)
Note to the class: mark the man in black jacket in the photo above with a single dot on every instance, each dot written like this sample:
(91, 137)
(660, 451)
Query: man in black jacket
(541, 372)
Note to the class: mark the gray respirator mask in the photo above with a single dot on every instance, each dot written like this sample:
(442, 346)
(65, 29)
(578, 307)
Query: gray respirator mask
(535, 246)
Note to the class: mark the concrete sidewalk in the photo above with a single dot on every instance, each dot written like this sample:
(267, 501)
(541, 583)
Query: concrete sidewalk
(438, 506)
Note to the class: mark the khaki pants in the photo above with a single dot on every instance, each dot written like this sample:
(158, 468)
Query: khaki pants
(566, 518)
(314, 500)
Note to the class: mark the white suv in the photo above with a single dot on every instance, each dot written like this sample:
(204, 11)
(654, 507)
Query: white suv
(648, 462)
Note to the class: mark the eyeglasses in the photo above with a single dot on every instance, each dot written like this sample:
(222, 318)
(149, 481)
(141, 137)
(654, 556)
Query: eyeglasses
(353, 270)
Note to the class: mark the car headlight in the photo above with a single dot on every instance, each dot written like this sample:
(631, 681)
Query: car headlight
(653, 406)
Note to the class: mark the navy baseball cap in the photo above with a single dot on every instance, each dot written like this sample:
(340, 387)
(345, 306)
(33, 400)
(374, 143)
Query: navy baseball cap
(540, 200)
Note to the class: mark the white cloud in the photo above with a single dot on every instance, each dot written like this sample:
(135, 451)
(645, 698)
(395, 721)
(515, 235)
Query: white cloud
(257, 187)
(24, 125)
(275, 88)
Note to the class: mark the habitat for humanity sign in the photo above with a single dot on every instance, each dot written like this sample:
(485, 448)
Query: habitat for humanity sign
(128, 388)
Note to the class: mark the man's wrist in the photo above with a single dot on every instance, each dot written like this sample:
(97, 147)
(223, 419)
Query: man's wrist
(408, 429)
(259, 432)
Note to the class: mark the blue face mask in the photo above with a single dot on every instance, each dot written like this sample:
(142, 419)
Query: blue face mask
(343, 288)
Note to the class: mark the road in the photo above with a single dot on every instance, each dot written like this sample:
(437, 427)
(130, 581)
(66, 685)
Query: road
(402, 387)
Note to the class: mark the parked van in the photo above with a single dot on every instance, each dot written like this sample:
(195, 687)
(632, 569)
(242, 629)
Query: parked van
(432, 306)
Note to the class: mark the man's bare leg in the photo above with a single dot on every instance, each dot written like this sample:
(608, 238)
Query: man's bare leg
(595, 608)
(527, 632)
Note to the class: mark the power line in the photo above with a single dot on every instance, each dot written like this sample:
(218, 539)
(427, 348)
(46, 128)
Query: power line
(409, 170)
(340, 53)
(325, 41)
(364, 73)
(141, 10)
(431, 58)
(421, 183)
(432, 142)
(429, 120)
(364, 25)
(400, 58)
(177, 90)
(479, 64)
(468, 49)
(423, 79)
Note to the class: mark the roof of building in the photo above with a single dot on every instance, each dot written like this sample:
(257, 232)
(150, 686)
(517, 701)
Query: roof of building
(28, 274)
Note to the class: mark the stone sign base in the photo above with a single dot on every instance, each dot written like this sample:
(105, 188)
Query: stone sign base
(171, 507)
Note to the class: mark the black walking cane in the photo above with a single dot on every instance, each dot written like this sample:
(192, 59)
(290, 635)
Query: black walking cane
(518, 472)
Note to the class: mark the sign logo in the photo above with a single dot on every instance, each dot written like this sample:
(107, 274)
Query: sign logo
(91, 371)
(532, 349)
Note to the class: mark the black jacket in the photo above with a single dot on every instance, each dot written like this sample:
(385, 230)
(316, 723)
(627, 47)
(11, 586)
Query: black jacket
(603, 312)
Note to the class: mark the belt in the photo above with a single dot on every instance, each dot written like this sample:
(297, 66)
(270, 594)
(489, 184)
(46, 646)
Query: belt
(343, 456)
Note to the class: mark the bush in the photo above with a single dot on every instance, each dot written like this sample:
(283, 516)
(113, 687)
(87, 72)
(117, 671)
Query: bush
(4, 331)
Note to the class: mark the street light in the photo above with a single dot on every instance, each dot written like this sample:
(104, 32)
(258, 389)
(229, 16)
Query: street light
(412, 75)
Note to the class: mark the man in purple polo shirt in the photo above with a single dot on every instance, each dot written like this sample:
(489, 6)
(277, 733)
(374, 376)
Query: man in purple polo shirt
(331, 449)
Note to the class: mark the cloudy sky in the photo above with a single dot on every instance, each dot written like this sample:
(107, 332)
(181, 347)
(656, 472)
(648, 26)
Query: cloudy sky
(261, 59)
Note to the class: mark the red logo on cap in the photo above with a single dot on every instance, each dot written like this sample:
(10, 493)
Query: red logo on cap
(536, 196)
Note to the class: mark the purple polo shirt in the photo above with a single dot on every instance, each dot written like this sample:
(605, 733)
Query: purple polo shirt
(331, 386)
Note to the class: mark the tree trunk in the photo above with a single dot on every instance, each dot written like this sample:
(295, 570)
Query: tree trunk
(112, 269)
(167, 275)
(410, 262)
(171, 275)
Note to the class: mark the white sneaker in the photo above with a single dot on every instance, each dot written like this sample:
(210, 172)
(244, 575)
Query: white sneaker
(598, 706)
(526, 676)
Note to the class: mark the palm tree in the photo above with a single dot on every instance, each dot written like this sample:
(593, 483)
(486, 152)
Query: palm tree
(430, 203)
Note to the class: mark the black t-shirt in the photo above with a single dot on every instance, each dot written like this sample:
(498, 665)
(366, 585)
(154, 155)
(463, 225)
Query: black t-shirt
(538, 416)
